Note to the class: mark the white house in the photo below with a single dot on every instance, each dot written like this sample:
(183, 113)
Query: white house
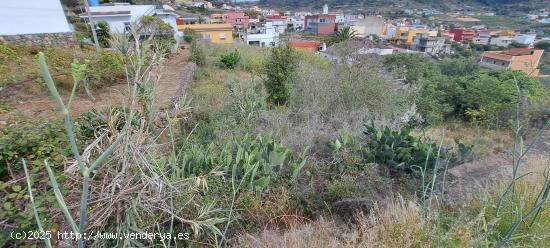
(278, 23)
(19, 17)
(266, 37)
(502, 41)
(526, 39)
(200, 4)
(376, 50)
(298, 23)
(121, 15)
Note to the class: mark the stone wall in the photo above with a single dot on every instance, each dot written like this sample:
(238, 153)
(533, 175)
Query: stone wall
(53, 39)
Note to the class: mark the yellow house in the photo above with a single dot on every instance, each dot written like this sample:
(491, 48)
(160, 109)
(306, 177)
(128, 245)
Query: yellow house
(215, 33)
(507, 33)
(413, 32)
(405, 35)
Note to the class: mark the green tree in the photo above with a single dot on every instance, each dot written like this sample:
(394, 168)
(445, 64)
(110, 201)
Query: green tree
(103, 33)
(517, 45)
(488, 95)
(280, 69)
(411, 67)
(544, 45)
(252, 13)
(461, 66)
(434, 100)
(153, 25)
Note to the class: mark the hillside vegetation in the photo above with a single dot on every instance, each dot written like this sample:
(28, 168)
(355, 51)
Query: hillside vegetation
(364, 4)
(275, 147)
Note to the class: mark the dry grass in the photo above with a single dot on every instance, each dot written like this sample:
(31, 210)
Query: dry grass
(274, 211)
(321, 233)
(485, 141)
(210, 91)
(403, 223)
(400, 223)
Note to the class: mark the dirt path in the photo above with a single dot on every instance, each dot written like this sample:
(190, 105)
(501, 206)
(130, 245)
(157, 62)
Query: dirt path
(24, 100)
(469, 179)
(173, 72)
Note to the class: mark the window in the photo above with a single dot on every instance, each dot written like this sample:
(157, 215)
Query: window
(223, 36)
(206, 36)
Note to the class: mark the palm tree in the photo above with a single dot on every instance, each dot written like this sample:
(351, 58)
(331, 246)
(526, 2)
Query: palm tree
(343, 34)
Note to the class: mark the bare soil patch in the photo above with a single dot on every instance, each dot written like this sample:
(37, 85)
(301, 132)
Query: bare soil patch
(29, 100)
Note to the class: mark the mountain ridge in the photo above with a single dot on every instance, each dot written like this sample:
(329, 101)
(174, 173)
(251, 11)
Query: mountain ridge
(370, 4)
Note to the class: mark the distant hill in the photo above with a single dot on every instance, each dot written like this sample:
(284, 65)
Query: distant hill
(369, 4)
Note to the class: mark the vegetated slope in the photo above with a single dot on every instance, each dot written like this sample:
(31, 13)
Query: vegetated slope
(409, 3)
(29, 99)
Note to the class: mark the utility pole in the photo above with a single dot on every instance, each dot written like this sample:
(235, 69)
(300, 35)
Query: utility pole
(92, 24)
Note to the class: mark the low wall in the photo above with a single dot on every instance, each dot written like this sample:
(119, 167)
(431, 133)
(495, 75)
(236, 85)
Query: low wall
(53, 39)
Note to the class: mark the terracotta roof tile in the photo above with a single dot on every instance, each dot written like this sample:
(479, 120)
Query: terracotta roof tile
(304, 43)
(519, 51)
(497, 55)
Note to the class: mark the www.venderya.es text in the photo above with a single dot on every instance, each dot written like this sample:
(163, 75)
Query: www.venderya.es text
(38, 235)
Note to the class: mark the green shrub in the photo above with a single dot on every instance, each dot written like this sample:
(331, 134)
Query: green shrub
(230, 60)
(252, 59)
(459, 66)
(188, 35)
(544, 45)
(197, 55)
(106, 69)
(487, 97)
(33, 141)
(347, 153)
(103, 33)
(280, 70)
(413, 67)
(188, 38)
(153, 25)
(458, 88)
(4, 108)
(7, 52)
(88, 123)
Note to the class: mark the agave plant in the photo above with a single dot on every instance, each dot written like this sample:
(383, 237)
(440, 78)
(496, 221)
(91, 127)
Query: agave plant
(253, 161)
(399, 149)
(86, 171)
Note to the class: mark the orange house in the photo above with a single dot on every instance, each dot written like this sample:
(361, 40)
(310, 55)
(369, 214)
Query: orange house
(306, 46)
(517, 59)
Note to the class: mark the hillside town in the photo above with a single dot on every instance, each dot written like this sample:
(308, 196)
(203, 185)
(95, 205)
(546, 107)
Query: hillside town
(274, 123)
(311, 31)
